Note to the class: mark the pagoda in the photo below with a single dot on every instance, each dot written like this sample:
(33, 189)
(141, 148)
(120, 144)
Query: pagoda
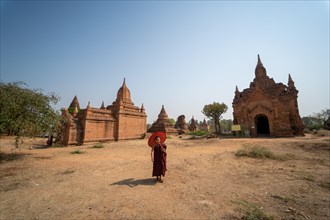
(162, 124)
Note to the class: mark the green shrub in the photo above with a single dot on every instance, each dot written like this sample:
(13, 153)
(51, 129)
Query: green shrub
(325, 184)
(71, 110)
(199, 133)
(307, 131)
(57, 145)
(285, 199)
(255, 152)
(285, 157)
(262, 152)
(77, 152)
(99, 145)
(251, 211)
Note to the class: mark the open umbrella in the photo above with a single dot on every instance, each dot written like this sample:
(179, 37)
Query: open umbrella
(161, 135)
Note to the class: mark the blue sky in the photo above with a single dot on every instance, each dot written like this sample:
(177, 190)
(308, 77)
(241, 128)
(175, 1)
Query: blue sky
(180, 54)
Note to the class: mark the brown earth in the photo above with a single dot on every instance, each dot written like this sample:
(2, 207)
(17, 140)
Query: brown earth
(205, 180)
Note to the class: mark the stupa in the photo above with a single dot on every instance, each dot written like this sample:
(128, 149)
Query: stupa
(162, 124)
(192, 125)
(204, 126)
(181, 125)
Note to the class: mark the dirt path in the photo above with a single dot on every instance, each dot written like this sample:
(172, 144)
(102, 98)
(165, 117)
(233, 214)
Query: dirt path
(205, 180)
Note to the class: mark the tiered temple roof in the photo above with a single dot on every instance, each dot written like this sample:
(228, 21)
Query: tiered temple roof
(163, 124)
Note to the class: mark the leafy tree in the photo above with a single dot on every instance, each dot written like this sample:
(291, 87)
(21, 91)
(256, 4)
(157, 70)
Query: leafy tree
(25, 112)
(226, 124)
(210, 122)
(318, 120)
(324, 117)
(172, 121)
(214, 111)
(312, 123)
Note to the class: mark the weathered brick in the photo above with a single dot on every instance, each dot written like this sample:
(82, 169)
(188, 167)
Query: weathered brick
(268, 108)
(119, 121)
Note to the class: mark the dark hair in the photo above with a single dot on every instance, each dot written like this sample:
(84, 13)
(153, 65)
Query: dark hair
(157, 137)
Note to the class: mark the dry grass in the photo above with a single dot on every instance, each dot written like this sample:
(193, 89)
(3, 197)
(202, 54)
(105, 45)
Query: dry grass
(262, 152)
(251, 211)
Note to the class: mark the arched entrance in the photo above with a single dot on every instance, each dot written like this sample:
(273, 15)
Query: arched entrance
(262, 125)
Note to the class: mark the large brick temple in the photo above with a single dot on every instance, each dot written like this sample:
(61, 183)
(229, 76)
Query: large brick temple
(267, 108)
(119, 121)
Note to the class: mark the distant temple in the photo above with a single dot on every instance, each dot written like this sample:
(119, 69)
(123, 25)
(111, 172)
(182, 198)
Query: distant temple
(163, 124)
(192, 125)
(181, 125)
(267, 108)
(204, 126)
(119, 121)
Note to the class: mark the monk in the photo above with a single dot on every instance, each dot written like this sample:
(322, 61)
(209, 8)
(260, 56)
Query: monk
(158, 157)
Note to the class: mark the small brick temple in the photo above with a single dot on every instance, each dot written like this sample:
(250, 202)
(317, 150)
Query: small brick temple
(267, 108)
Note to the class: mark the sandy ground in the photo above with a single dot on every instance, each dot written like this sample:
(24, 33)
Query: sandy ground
(205, 180)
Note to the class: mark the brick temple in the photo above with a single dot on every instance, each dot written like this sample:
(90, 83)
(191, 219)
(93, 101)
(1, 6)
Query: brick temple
(162, 124)
(204, 126)
(119, 121)
(267, 108)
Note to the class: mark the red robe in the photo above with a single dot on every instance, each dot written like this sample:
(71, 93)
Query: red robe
(159, 165)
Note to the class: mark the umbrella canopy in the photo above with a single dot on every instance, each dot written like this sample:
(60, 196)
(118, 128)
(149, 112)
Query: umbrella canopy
(161, 135)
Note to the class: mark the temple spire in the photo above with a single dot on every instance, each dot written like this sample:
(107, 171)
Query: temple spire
(75, 103)
(162, 113)
(260, 70)
(124, 95)
(236, 92)
(259, 61)
(290, 82)
(163, 109)
(142, 108)
(102, 106)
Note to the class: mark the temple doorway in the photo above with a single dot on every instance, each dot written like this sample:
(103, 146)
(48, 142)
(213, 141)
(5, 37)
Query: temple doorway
(262, 125)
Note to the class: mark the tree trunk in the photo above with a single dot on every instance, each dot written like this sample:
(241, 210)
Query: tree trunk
(10, 132)
(217, 125)
(50, 140)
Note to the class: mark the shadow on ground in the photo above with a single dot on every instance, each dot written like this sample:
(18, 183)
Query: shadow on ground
(131, 182)
(11, 156)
